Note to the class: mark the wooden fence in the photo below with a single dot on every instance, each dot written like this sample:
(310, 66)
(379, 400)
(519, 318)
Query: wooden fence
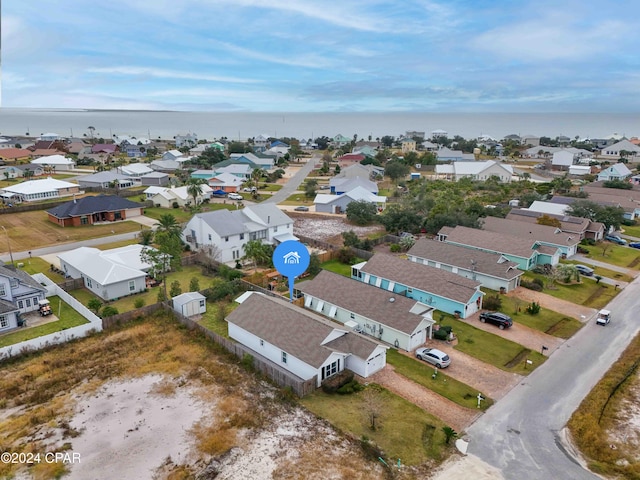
(125, 317)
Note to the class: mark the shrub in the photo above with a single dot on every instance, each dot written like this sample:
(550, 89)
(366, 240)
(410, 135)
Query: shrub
(194, 284)
(395, 248)
(440, 334)
(493, 302)
(109, 311)
(139, 302)
(533, 308)
(350, 387)
(531, 285)
(175, 205)
(582, 250)
(587, 241)
(331, 385)
(345, 255)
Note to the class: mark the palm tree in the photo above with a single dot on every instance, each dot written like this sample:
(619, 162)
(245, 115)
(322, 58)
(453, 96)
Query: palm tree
(194, 188)
(168, 224)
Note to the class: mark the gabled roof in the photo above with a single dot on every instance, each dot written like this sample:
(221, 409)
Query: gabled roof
(490, 241)
(135, 169)
(102, 177)
(251, 218)
(7, 307)
(91, 205)
(21, 276)
(492, 264)
(294, 330)
(53, 160)
(618, 169)
(14, 153)
(365, 300)
(530, 231)
(344, 184)
(428, 279)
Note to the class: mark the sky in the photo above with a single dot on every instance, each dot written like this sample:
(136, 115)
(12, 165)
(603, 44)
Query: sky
(322, 55)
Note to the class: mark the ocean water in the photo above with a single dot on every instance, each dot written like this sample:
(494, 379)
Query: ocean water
(242, 125)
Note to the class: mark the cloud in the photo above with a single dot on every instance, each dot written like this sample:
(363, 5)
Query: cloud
(162, 73)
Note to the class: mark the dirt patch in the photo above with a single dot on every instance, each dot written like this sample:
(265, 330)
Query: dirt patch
(518, 358)
(329, 228)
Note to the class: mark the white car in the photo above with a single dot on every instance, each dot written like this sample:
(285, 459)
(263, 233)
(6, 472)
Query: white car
(235, 196)
(434, 356)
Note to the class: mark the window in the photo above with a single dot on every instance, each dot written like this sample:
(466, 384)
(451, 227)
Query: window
(88, 282)
(132, 285)
(261, 343)
(226, 239)
(329, 370)
(4, 321)
(84, 220)
(210, 239)
(202, 303)
(14, 283)
(28, 302)
(242, 236)
(20, 304)
(275, 229)
(284, 357)
(3, 290)
(352, 315)
(35, 300)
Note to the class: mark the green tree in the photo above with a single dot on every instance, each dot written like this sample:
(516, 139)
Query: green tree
(361, 212)
(310, 188)
(449, 434)
(350, 239)
(195, 188)
(109, 311)
(238, 147)
(94, 305)
(257, 252)
(314, 267)
(176, 288)
(167, 223)
(194, 284)
(397, 218)
(146, 237)
(396, 170)
(610, 216)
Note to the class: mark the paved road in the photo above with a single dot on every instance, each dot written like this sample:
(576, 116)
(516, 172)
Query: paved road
(590, 261)
(294, 182)
(522, 434)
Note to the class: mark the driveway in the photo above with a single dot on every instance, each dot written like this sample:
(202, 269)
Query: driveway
(450, 413)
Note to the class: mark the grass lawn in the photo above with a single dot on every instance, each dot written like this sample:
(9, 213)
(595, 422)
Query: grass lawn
(122, 243)
(68, 318)
(213, 320)
(616, 255)
(297, 199)
(633, 230)
(546, 320)
(405, 431)
(38, 265)
(336, 266)
(493, 349)
(421, 373)
(31, 230)
(588, 293)
(271, 187)
(151, 295)
(605, 272)
(183, 216)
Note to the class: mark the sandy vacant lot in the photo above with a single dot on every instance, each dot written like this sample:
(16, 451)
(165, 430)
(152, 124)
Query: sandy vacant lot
(329, 228)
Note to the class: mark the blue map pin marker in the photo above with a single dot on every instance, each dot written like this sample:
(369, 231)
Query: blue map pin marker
(291, 258)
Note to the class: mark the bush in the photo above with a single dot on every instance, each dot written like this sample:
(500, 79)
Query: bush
(395, 248)
(345, 255)
(441, 334)
(582, 250)
(139, 302)
(531, 285)
(109, 311)
(533, 308)
(332, 384)
(493, 302)
(587, 241)
(350, 387)
(175, 205)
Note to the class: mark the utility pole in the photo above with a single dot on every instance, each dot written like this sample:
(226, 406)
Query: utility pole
(8, 244)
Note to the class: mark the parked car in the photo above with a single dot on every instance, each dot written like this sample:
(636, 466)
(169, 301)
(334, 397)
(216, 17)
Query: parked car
(603, 318)
(500, 319)
(634, 244)
(434, 356)
(235, 196)
(584, 270)
(324, 187)
(301, 209)
(615, 239)
(249, 189)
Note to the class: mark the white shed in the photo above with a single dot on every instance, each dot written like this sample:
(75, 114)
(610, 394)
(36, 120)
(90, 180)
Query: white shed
(190, 304)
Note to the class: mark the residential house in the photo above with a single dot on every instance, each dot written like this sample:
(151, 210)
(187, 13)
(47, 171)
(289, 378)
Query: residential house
(531, 140)
(226, 182)
(578, 226)
(442, 290)
(189, 140)
(108, 148)
(155, 178)
(579, 170)
(562, 160)
(366, 150)
(35, 190)
(46, 152)
(172, 155)
(524, 253)
(133, 150)
(135, 169)
(617, 171)
(447, 155)
(340, 185)
(340, 141)
(260, 143)
(492, 270)
(439, 133)
(358, 170)
(630, 150)
(94, 209)
(408, 144)
(623, 199)
(190, 304)
(165, 166)
(391, 318)
(166, 197)
(49, 137)
(239, 170)
(19, 293)
(265, 162)
(475, 171)
(328, 203)
(203, 174)
(109, 274)
(199, 149)
(302, 342)
(78, 148)
(58, 162)
(223, 233)
(15, 155)
(543, 234)
(349, 159)
(105, 179)
(22, 170)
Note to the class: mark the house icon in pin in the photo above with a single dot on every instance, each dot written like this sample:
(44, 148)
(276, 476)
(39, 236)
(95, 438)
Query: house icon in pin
(291, 258)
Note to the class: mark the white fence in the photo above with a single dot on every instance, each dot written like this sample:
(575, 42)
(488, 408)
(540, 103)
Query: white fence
(94, 325)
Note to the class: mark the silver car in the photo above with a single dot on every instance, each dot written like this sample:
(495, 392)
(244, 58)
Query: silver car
(434, 356)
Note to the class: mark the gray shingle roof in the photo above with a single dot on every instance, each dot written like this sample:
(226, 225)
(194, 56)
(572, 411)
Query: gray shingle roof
(7, 307)
(22, 277)
(363, 299)
(484, 262)
(491, 241)
(530, 231)
(292, 329)
(90, 205)
(224, 222)
(428, 279)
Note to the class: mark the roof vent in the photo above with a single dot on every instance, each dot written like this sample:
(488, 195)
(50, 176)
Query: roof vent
(392, 300)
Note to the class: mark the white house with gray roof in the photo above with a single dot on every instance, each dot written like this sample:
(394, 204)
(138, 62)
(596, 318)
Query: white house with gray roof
(492, 270)
(442, 290)
(301, 342)
(390, 318)
(328, 203)
(222, 234)
(19, 293)
(475, 171)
